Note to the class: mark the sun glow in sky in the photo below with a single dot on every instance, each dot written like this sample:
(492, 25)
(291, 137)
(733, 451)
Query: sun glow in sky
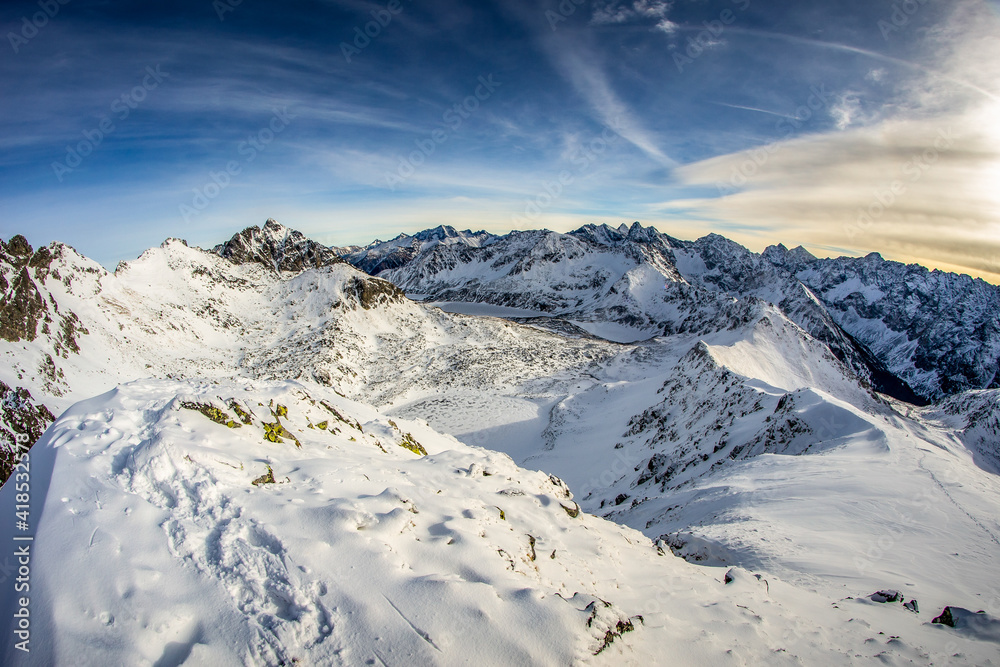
(849, 126)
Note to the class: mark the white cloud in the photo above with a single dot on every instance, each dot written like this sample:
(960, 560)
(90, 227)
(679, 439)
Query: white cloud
(875, 74)
(589, 80)
(846, 110)
(614, 11)
(667, 26)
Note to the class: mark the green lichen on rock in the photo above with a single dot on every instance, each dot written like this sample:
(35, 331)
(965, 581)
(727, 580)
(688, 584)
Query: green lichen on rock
(322, 425)
(240, 412)
(614, 627)
(212, 412)
(620, 628)
(274, 432)
(265, 479)
(407, 442)
(280, 411)
(573, 512)
(356, 425)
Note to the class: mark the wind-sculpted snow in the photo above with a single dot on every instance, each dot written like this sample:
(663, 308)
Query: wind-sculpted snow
(164, 536)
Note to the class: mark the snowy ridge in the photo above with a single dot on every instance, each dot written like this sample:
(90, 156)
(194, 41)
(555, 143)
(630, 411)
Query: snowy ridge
(380, 256)
(179, 311)
(202, 542)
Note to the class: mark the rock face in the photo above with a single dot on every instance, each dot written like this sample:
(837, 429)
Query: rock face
(22, 422)
(914, 334)
(21, 306)
(370, 292)
(276, 247)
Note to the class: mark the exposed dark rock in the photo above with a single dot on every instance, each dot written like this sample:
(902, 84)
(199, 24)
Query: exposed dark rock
(16, 252)
(371, 292)
(21, 309)
(277, 247)
(886, 596)
(946, 618)
(22, 422)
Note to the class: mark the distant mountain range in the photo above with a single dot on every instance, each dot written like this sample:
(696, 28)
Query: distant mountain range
(915, 334)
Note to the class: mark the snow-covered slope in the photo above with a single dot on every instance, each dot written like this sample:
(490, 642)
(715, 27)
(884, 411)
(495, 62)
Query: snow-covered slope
(975, 415)
(278, 523)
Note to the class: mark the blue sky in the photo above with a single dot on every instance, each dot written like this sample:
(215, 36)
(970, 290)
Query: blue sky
(847, 126)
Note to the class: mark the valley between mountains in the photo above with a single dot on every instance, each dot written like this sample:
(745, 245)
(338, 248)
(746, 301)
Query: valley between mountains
(603, 447)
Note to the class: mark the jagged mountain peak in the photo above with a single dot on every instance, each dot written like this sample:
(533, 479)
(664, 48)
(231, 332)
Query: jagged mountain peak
(782, 256)
(277, 247)
(893, 323)
(741, 430)
(801, 254)
(605, 234)
(438, 233)
(16, 248)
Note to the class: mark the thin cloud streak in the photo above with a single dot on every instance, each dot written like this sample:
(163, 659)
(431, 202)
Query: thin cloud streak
(745, 108)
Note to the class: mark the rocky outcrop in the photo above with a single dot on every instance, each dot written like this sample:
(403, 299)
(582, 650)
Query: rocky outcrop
(22, 422)
(276, 247)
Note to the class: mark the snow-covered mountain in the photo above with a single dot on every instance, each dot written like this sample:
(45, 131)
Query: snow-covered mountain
(73, 329)
(381, 256)
(913, 334)
(741, 438)
(938, 331)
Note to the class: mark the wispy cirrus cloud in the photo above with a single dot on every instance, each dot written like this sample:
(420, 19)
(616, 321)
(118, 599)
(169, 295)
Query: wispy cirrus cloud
(593, 85)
